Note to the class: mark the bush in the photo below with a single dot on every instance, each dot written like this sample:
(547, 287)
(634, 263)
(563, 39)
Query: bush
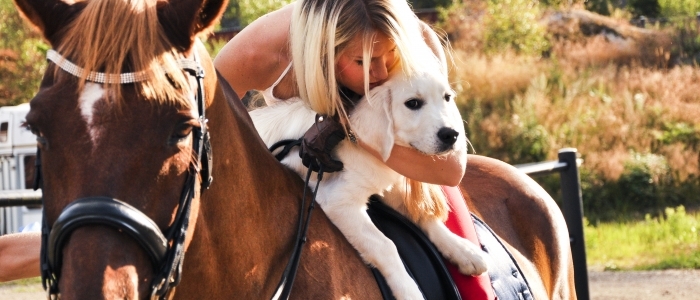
(599, 6)
(418, 4)
(647, 8)
(513, 25)
(243, 12)
(686, 44)
(678, 8)
(646, 186)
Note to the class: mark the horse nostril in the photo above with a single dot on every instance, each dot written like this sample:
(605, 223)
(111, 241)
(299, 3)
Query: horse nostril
(447, 135)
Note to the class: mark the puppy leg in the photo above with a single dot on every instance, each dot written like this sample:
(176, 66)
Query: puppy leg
(374, 247)
(470, 259)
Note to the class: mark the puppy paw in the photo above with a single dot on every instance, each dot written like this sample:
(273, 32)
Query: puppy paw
(467, 256)
(474, 263)
(404, 288)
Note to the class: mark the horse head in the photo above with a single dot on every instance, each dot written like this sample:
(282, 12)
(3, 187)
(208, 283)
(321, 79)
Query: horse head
(120, 131)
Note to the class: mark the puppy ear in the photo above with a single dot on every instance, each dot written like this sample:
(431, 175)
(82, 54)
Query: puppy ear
(373, 123)
(388, 141)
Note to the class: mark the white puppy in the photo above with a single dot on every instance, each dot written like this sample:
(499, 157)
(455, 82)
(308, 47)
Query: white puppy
(417, 112)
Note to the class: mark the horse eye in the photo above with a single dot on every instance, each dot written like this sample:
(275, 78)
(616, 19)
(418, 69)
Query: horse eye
(414, 104)
(40, 138)
(181, 132)
(31, 128)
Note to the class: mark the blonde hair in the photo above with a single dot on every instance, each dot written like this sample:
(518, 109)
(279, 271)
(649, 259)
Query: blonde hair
(322, 29)
(109, 35)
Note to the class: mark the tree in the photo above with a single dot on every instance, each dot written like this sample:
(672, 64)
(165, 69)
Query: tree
(647, 8)
(240, 13)
(599, 6)
(22, 57)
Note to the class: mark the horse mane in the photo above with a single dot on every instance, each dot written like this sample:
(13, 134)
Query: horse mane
(117, 36)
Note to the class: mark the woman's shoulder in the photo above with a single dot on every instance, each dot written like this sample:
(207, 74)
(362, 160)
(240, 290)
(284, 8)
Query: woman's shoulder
(272, 29)
(259, 53)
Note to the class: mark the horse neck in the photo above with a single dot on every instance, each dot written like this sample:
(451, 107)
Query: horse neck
(247, 219)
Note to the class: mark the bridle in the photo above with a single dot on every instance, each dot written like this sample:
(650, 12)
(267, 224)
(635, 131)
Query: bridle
(165, 249)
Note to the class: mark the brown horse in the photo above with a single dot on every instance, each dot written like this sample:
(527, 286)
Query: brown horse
(139, 142)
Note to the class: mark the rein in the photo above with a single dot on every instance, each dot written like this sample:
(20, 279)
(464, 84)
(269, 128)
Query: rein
(165, 249)
(284, 288)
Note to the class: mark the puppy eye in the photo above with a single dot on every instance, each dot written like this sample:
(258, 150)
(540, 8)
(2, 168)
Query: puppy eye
(414, 104)
(448, 97)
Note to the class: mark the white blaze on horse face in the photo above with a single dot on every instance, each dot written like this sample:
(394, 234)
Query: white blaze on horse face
(91, 95)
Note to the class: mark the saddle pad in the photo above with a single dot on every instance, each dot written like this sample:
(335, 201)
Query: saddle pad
(426, 266)
(506, 278)
(422, 261)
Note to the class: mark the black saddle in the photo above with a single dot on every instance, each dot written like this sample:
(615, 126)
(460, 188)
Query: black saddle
(425, 264)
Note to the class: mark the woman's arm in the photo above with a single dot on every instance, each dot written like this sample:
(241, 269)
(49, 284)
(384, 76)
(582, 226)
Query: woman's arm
(256, 56)
(19, 256)
(446, 170)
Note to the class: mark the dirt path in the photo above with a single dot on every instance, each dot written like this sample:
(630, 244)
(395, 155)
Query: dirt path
(666, 285)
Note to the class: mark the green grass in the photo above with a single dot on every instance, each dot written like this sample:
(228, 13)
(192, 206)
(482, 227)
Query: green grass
(23, 285)
(666, 242)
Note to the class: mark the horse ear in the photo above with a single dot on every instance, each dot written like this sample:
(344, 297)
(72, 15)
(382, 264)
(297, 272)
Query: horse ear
(48, 16)
(372, 121)
(183, 20)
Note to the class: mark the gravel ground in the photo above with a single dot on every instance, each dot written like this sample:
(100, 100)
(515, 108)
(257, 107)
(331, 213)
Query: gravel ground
(666, 285)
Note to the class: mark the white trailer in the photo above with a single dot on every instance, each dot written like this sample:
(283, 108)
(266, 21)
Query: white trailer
(17, 156)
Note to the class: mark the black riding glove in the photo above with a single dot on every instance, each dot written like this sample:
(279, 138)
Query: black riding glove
(318, 142)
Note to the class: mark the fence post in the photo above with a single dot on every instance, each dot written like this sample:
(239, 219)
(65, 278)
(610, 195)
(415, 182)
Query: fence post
(572, 207)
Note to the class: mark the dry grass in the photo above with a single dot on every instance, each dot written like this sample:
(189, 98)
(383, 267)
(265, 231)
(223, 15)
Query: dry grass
(604, 111)
(493, 78)
(606, 88)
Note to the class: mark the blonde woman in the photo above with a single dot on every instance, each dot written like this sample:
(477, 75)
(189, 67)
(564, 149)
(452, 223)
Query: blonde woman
(323, 51)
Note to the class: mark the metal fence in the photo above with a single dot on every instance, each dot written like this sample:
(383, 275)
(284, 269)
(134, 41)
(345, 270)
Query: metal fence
(18, 209)
(572, 208)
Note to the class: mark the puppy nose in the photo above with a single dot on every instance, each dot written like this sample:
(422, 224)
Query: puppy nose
(447, 135)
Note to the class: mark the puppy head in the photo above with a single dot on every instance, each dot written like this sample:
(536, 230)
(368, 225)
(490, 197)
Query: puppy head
(417, 111)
